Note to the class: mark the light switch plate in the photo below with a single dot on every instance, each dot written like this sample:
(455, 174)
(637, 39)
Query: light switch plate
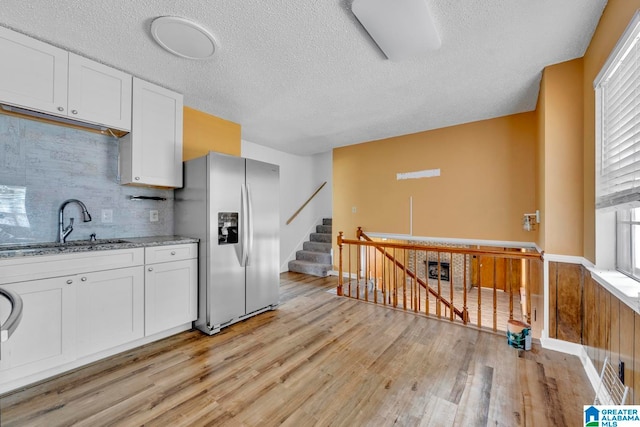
(153, 215)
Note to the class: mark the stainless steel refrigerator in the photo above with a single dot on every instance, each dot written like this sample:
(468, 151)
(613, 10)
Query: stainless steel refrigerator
(232, 205)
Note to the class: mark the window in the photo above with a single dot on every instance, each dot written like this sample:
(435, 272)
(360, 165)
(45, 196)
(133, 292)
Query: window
(618, 145)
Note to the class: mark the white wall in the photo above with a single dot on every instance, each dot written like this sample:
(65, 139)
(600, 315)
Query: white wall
(300, 176)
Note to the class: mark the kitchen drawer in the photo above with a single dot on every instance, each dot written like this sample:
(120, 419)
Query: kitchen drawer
(20, 269)
(157, 254)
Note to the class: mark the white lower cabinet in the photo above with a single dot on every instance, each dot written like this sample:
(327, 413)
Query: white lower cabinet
(46, 336)
(171, 287)
(171, 295)
(99, 304)
(110, 309)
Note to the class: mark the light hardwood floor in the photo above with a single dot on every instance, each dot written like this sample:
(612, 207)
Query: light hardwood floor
(317, 360)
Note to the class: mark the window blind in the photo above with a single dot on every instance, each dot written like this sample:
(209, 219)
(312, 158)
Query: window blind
(618, 145)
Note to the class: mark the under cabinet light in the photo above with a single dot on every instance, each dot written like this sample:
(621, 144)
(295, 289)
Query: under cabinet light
(401, 28)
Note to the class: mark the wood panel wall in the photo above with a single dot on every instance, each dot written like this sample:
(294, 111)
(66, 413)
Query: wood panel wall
(584, 312)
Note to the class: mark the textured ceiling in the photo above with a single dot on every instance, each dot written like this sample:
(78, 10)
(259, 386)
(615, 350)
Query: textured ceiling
(303, 76)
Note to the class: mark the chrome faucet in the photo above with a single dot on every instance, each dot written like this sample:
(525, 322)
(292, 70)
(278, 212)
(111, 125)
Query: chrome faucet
(65, 231)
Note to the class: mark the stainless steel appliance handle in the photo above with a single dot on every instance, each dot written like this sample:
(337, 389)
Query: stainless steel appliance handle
(245, 232)
(15, 316)
(250, 224)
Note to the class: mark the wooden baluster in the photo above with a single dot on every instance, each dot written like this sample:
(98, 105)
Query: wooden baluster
(395, 280)
(465, 311)
(495, 297)
(415, 286)
(358, 248)
(366, 272)
(375, 275)
(392, 277)
(527, 291)
(426, 275)
(384, 276)
(479, 319)
(438, 300)
(404, 281)
(340, 280)
(510, 289)
(451, 282)
(349, 271)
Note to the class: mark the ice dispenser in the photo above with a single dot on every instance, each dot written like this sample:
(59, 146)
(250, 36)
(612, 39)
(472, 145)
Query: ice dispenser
(227, 228)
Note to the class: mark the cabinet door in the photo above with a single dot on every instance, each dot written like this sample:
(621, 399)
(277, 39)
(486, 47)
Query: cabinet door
(33, 74)
(110, 309)
(152, 153)
(170, 295)
(99, 94)
(45, 337)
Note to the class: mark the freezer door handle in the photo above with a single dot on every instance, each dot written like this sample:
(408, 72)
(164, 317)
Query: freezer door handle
(245, 225)
(250, 224)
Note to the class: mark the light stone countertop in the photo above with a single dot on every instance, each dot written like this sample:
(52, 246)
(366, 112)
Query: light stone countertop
(74, 246)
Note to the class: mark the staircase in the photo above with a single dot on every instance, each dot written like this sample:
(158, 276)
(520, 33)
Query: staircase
(315, 256)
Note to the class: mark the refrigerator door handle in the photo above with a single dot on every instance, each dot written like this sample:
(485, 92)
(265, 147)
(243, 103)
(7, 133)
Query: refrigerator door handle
(245, 225)
(250, 225)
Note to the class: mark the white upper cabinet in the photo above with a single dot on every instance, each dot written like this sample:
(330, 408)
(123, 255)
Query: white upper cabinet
(99, 94)
(33, 74)
(43, 78)
(152, 153)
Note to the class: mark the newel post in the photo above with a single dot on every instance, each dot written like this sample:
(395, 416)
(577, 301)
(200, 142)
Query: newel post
(339, 290)
(359, 233)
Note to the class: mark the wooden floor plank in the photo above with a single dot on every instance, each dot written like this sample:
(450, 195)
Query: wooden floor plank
(319, 360)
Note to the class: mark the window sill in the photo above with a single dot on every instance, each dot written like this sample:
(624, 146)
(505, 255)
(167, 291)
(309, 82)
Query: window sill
(622, 287)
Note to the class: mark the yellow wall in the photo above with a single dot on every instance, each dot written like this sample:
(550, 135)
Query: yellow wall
(560, 117)
(204, 132)
(487, 181)
(615, 19)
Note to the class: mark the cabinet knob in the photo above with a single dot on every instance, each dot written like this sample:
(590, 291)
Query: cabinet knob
(74, 111)
(84, 279)
(150, 268)
(173, 252)
(69, 282)
(137, 178)
(60, 109)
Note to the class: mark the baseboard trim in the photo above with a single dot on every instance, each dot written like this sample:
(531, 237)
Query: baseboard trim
(576, 350)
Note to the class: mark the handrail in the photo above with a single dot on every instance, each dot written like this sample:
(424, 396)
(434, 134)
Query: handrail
(462, 315)
(306, 203)
(504, 254)
(9, 327)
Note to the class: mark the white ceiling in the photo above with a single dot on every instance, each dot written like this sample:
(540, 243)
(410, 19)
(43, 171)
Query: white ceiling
(303, 76)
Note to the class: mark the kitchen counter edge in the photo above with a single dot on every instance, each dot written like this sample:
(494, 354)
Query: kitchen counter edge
(126, 243)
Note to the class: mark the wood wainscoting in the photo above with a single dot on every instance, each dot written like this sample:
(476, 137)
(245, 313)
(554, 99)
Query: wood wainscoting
(583, 312)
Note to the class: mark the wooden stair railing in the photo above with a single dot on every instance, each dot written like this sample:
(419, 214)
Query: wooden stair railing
(305, 203)
(463, 315)
(377, 267)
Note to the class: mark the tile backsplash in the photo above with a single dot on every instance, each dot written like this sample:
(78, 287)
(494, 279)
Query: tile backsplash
(42, 165)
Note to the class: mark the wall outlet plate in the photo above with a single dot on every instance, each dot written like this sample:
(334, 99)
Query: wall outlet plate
(153, 215)
(106, 215)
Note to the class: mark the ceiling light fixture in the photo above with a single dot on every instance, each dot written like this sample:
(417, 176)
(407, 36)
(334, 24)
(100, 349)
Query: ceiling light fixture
(183, 37)
(401, 28)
